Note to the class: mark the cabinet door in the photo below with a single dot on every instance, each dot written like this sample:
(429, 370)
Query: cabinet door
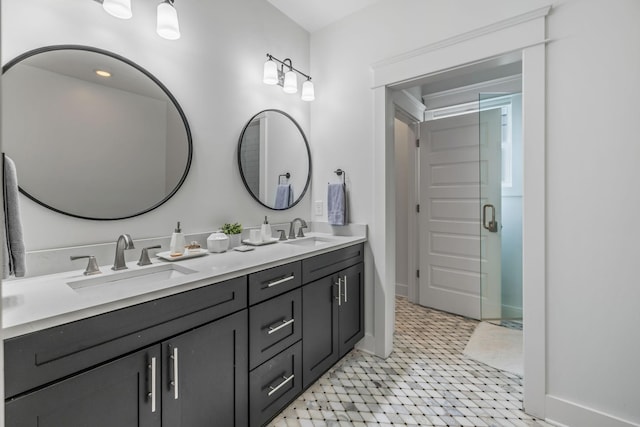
(205, 377)
(351, 313)
(119, 393)
(319, 328)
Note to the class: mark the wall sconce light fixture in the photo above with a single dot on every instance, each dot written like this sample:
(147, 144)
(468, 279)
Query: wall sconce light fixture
(167, 20)
(287, 78)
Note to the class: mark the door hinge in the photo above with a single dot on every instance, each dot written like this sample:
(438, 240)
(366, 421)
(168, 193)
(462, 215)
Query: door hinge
(417, 143)
(418, 273)
(418, 208)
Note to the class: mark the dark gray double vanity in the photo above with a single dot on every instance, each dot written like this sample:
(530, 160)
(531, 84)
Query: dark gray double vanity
(231, 353)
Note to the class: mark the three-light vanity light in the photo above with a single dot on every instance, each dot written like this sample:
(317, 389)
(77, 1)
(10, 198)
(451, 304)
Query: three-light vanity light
(167, 17)
(287, 79)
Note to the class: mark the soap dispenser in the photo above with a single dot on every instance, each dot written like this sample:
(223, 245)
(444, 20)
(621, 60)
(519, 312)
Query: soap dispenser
(177, 242)
(265, 231)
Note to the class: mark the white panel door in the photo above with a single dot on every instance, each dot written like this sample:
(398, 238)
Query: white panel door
(450, 179)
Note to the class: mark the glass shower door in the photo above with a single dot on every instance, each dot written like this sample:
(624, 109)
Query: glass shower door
(500, 255)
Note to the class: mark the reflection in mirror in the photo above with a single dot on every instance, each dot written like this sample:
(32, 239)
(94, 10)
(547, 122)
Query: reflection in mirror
(274, 159)
(92, 146)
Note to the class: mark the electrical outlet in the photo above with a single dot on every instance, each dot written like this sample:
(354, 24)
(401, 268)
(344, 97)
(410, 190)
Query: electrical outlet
(318, 207)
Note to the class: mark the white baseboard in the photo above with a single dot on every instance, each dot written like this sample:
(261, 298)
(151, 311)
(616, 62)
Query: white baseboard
(562, 412)
(402, 290)
(367, 344)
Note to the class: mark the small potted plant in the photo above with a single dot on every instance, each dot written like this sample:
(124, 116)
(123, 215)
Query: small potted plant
(234, 231)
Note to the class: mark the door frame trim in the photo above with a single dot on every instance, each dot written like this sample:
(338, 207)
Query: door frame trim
(525, 33)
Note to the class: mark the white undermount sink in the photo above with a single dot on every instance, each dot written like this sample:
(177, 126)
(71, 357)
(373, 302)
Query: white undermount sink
(131, 277)
(310, 241)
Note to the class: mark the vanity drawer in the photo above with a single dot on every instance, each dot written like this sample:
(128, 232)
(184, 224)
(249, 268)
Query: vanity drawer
(274, 325)
(323, 265)
(274, 384)
(38, 358)
(274, 281)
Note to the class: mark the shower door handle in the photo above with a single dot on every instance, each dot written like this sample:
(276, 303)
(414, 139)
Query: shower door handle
(492, 225)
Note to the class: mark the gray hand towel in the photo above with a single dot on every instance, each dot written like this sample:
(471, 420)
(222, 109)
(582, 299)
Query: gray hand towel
(284, 196)
(14, 254)
(337, 204)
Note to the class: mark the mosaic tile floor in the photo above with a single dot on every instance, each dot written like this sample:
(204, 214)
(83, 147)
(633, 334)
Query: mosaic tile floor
(425, 382)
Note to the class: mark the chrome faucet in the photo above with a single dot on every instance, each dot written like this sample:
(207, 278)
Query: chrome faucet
(124, 242)
(292, 231)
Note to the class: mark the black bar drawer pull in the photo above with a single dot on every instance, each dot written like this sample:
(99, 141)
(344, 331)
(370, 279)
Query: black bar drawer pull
(279, 386)
(284, 323)
(279, 281)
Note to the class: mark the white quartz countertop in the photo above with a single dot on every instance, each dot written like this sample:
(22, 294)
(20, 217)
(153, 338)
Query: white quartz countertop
(37, 303)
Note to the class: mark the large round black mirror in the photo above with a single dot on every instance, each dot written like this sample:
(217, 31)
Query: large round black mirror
(92, 134)
(274, 159)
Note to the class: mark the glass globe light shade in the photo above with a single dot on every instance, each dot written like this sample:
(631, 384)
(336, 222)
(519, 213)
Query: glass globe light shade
(270, 75)
(290, 82)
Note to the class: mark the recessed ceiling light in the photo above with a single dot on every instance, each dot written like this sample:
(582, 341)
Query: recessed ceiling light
(103, 73)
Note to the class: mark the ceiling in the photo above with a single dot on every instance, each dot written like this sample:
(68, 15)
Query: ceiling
(313, 15)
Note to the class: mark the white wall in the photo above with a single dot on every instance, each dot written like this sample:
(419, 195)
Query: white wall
(592, 152)
(593, 231)
(215, 73)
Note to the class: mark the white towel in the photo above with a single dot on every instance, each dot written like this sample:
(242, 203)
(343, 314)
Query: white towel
(337, 204)
(14, 253)
(284, 196)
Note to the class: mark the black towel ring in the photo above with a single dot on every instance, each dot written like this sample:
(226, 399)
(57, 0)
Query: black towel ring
(341, 173)
(286, 175)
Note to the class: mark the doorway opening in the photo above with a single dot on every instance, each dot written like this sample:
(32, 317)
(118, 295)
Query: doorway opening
(464, 167)
(464, 177)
